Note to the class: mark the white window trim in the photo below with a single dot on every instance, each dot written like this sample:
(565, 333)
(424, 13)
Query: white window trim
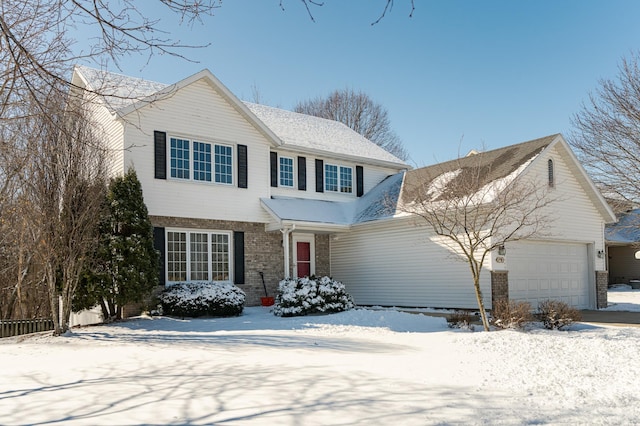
(293, 172)
(213, 144)
(304, 238)
(188, 231)
(337, 191)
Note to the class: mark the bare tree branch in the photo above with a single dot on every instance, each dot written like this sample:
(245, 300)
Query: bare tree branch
(473, 211)
(359, 112)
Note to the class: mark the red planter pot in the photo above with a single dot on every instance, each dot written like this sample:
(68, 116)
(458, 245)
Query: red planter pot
(267, 301)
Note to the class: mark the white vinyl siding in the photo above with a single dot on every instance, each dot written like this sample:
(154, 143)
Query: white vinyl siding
(373, 175)
(572, 216)
(395, 263)
(198, 113)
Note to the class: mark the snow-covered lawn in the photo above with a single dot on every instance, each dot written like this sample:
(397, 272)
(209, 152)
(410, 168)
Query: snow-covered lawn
(358, 367)
(622, 297)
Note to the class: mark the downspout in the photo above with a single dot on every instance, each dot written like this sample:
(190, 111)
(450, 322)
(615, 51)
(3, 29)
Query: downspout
(285, 244)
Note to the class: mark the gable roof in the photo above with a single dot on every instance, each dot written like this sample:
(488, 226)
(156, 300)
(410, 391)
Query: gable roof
(310, 133)
(304, 133)
(123, 95)
(497, 166)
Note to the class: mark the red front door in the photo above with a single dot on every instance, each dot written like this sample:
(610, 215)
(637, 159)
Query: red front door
(303, 259)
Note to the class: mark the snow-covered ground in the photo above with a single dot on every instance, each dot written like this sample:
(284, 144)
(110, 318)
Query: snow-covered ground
(358, 367)
(623, 298)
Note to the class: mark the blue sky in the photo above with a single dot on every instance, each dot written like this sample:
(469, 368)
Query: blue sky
(459, 74)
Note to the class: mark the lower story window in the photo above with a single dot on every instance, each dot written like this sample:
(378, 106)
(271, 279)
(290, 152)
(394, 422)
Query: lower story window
(198, 256)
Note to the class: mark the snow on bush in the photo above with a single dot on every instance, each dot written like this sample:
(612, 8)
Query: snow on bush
(303, 296)
(196, 299)
(511, 314)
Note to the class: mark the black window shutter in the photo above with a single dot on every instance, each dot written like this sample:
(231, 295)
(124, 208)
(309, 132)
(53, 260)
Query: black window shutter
(359, 181)
(238, 257)
(302, 173)
(158, 244)
(274, 169)
(319, 176)
(242, 166)
(160, 154)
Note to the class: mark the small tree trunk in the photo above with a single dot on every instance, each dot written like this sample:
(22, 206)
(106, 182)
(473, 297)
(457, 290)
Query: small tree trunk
(483, 312)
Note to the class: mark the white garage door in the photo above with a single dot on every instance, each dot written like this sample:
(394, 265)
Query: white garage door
(541, 271)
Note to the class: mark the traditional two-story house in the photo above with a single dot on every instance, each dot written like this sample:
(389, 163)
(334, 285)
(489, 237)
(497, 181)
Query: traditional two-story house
(217, 174)
(240, 192)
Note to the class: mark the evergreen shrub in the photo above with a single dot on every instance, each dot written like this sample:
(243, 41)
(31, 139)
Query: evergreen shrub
(197, 299)
(304, 296)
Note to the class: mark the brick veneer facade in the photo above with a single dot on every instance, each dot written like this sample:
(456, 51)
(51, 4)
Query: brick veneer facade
(263, 252)
(602, 282)
(499, 286)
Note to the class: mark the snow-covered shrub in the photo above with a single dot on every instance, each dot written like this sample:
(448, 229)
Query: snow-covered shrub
(555, 315)
(196, 299)
(511, 314)
(303, 296)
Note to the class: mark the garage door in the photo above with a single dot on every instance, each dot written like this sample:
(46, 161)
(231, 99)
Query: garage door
(541, 271)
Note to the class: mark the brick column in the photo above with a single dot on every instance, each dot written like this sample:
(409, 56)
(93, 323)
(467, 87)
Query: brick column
(499, 286)
(602, 282)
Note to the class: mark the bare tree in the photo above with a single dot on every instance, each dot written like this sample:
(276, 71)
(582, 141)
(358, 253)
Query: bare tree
(359, 112)
(63, 185)
(606, 133)
(476, 204)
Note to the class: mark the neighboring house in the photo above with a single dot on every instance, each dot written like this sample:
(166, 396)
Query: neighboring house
(623, 248)
(237, 191)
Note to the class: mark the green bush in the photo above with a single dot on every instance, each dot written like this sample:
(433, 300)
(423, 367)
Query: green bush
(304, 296)
(196, 299)
(511, 314)
(556, 315)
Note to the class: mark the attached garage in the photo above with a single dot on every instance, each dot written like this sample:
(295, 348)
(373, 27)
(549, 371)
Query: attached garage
(541, 270)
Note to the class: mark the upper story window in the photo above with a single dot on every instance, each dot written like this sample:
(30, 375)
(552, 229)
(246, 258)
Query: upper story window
(209, 162)
(224, 164)
(550, 172)
(180, 154)
(286, 172)
(338, 178)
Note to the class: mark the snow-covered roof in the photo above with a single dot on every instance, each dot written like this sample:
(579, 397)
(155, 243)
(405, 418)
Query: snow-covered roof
(118, 91)
(312, 211)
(376, 204)
(298, 131)
(484, 170)
(319, 134)
(626, 230)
